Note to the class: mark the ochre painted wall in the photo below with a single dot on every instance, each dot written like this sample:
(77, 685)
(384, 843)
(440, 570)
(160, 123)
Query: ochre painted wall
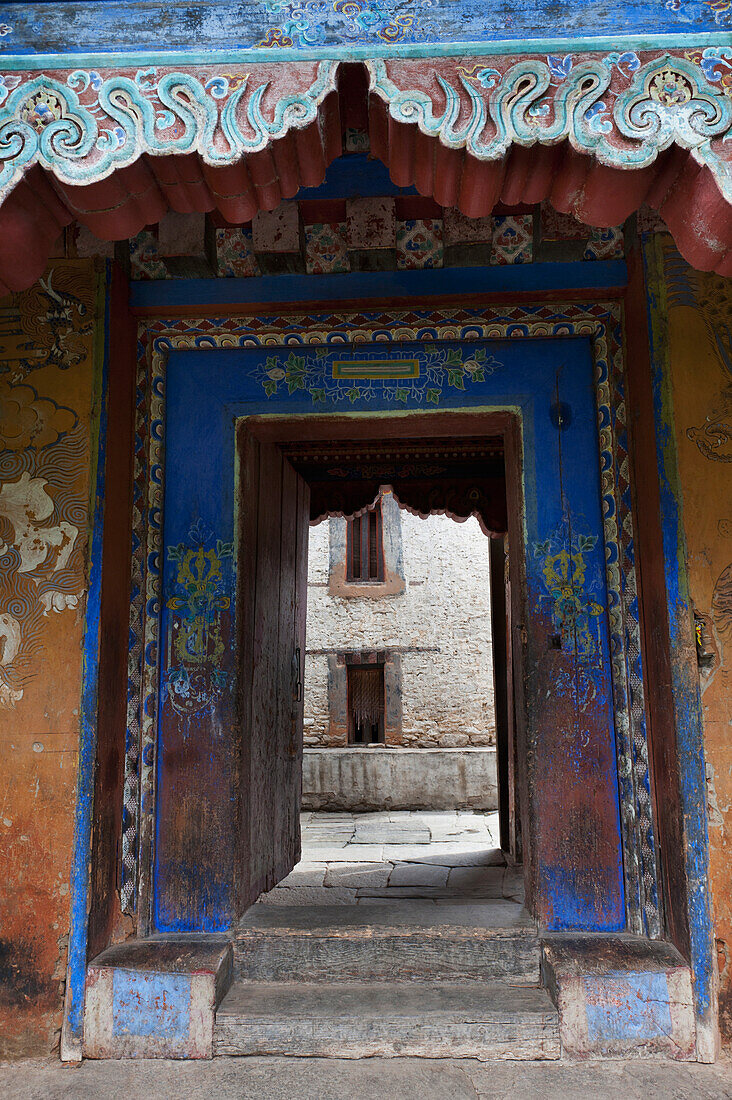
(700, 355)
(49, 360)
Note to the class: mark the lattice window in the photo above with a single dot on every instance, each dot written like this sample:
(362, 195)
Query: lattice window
(366, 699)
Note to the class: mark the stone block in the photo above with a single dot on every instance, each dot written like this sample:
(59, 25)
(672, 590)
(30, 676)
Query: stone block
(358, 875)
(447, 854)
(309, 895)
(406, 1019)
(305, 874)
(418, 874)
(620, 996)
(156, 998)
(488, 879)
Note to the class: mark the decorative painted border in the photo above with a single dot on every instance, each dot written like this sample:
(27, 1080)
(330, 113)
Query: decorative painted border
(299, 26)
(621, 108)
(602, 324)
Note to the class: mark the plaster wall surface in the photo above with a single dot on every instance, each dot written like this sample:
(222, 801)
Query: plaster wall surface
(700, 356)
(47, 378)
(376, 777)
(439, 625)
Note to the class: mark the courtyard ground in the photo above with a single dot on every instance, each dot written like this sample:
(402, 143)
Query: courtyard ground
(369, 1079)
(436, 857)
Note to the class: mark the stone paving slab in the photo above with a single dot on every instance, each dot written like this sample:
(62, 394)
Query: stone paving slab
(262, 1078)
(391, 832)
(491, 891)
(309, 895)
(349, 853)
(418, 874)
(396, 855)
(359, 874)
(487, 917)
(447, 854)
(306, 874)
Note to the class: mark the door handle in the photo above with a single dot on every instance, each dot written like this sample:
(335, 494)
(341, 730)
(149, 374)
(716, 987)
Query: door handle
(297, 675)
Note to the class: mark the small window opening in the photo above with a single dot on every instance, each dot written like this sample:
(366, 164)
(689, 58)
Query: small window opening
(365, 546)
(365, 704)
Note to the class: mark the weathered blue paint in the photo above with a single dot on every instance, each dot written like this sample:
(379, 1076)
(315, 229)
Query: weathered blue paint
(621, 1008)
(685, 679)
(207, 390)
(81, 856)
(374, 26)
(355, 286)
(37, 62)
(147, 1003)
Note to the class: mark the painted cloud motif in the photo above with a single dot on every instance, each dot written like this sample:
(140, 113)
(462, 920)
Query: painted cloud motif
(27, 506)
(43, 460)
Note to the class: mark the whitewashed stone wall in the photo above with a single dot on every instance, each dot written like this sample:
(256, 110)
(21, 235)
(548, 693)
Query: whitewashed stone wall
(444, 612)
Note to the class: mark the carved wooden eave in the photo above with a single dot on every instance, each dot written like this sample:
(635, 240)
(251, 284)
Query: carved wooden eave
(596, 134)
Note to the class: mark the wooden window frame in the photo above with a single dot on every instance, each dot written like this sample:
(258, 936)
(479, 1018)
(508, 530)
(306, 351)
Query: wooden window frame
(365, 547)
(377, 666)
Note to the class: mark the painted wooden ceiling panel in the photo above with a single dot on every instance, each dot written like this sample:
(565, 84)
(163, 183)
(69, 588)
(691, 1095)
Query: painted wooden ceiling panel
(117, 26)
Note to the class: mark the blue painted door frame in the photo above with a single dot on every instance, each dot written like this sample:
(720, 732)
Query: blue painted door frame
(550, 386)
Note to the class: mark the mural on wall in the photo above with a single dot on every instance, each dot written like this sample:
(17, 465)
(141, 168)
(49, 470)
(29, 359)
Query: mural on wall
(722, 603)
(574, 610)
(195, 676)
(47, 403)
(711, 295)
(375, 376)
(573, 599)
(700, 368)
(43, 469)
(47, 325)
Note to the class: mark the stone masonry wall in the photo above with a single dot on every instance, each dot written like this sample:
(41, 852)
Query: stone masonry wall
(439, 625)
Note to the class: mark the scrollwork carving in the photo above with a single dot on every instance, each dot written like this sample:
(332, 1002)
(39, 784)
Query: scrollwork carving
(671, 101)
(614, 107)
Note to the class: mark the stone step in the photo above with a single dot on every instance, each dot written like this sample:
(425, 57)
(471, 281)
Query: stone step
(387, 1019)
(408, 941)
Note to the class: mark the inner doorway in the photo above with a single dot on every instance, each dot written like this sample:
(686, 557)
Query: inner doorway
(398, 933)
(286, 481)
(400, 793)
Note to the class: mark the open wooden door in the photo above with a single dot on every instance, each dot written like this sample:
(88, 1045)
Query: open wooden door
(274, 511)
(503, 685)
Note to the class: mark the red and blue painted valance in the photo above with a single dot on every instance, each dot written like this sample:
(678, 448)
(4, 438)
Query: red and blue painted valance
(596, 135)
